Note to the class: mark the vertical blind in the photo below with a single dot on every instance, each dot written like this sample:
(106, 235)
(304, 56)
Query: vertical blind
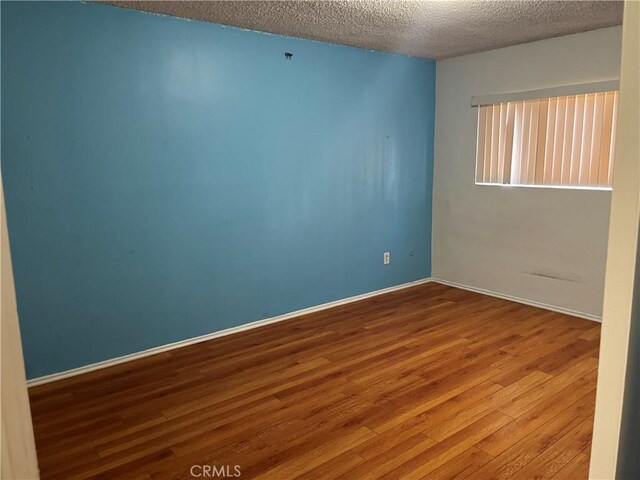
(561, 141)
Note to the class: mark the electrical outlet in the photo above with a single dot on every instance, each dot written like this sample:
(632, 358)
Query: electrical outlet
(386, 258)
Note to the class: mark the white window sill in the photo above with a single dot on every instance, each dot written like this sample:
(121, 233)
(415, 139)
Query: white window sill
(555, 187)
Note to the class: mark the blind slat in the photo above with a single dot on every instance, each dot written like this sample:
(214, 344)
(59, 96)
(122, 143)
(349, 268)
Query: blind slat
(542, 136)
(596, 139)
(533, 141)
(612, 150)
(548, 154)
(508, 149)
(606, 139)
(517, 142)
(576, 141)
(556, 178)
(587, 130)
(487, 144)
(502, 143)
(567, 141)
(479, 145)
(495, 142)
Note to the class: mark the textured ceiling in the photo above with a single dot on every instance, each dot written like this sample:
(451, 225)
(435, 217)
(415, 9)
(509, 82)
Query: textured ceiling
(431, 29)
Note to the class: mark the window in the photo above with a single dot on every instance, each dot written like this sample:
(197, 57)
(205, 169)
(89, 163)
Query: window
(566, 140)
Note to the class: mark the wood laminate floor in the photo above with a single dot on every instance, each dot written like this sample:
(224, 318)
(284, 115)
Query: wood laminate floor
(426, 382)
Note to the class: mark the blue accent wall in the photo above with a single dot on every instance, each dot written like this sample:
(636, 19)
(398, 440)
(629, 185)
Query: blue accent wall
(167, 178)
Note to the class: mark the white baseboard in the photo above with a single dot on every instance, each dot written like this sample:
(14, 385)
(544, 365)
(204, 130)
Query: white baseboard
(209, 336)
(553, 308)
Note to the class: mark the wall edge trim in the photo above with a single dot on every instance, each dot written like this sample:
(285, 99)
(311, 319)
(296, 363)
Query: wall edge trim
(220, 333)
(532, 303)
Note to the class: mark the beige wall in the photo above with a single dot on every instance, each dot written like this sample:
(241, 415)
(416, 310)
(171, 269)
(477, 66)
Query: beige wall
(18, 456)
(541, 245)
(621, 262)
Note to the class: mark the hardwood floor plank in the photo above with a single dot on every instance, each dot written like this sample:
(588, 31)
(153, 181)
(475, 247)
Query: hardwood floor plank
(303, 463)
(339, 467)
(559, 454)
(389, 461)
(544, 412)
(423, 464)
(537, 442)
(576, 469)
(462, 466)
(451, 423)
(522, 403)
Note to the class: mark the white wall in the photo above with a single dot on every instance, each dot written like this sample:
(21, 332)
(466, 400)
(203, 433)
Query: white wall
(540, 244)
